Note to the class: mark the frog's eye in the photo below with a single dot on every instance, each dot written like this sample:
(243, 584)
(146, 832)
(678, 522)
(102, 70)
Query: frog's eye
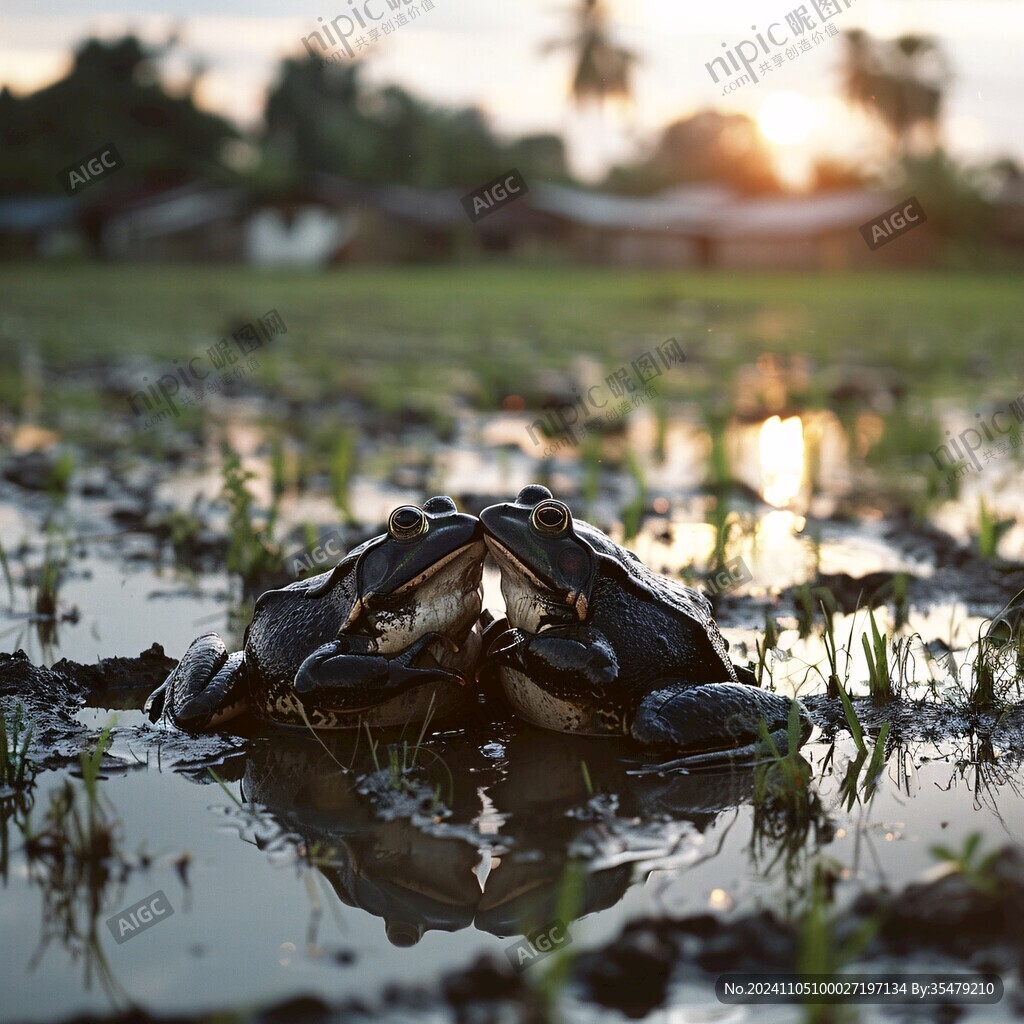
(551, 517)
(407, 522)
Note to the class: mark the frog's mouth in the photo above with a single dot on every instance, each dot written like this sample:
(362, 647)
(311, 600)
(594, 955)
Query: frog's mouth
(538, 587)
(439, 597)
(471, 553)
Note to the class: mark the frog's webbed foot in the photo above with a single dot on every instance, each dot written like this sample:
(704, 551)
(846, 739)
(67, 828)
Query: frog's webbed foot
(490, 628)
(575, 655)
(746, 676)
(348, 671)
(206, 688)
(714, 722)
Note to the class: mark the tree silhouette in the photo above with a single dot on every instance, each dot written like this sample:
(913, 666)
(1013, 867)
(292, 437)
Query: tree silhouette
(326, 119)
(709, 146)
(900, 83)
(602, 69)
(112, 93)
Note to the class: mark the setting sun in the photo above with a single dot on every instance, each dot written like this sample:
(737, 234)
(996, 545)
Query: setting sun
(786, 118)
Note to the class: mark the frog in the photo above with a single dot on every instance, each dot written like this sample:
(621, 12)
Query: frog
(386, 637)
(596, 643)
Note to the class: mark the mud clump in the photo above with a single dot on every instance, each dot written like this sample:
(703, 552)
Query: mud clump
(487, 991)
(967, 916)
(633, 975)
(974, 916)
(50, 699)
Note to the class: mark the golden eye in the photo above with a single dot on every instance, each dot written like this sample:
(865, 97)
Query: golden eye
(551, 517)
(406, 522)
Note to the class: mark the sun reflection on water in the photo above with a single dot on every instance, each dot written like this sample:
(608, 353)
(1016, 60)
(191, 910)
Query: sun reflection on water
(782, 460)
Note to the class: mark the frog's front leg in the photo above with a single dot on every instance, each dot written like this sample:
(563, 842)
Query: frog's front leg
(205, 689)
(568, 657)
(709, 719)
(349, 673)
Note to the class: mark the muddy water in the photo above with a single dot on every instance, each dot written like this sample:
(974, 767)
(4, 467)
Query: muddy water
(304, 888)
(311, 871)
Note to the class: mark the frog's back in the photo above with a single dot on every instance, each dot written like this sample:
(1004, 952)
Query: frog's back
(290, 623)
(649, 584)
(664, 625)
(655, 642)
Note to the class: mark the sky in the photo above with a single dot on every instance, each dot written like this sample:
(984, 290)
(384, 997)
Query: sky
(489, 53)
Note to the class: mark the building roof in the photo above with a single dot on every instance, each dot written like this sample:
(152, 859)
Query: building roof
(687, 208)
(697, 210)
(712, 210)
(181, 209)
(799, 216)
(428, 207)
(31, 213)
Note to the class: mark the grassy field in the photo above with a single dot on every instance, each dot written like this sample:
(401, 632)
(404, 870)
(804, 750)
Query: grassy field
(401, 337)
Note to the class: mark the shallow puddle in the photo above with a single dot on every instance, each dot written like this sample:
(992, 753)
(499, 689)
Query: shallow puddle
(297, 880)
(343, 871)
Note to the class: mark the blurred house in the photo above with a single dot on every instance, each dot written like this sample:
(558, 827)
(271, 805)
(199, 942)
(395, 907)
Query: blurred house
(287, 232)
(1009, 213)
(37, 226)
(707, 225)
(304, 228)
(814, 232)
(401, 223)
(672, 229)
(329, 221)
(190, 223)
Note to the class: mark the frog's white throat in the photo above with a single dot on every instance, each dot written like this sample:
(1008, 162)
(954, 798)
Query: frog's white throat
(529, 601)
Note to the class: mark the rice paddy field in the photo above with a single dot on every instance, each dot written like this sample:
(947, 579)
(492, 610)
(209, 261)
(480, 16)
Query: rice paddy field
(836, 461)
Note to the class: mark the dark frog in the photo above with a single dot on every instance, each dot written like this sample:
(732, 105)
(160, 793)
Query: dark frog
(386, 637)
(600, 645)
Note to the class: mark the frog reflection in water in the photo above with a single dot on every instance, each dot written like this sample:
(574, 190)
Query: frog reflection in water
(600, 645)
(468, 839)
(386, 637)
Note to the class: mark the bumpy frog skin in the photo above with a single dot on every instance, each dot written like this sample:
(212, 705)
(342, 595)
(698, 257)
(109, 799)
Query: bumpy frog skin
(386, 637)
(600, 645)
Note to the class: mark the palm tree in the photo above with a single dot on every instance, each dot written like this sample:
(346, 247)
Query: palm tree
(901, 83)
(602, 68)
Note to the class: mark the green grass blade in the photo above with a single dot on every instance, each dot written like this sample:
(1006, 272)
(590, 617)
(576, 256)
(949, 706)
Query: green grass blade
(7, 574)
(586, 778)
(223, 785)
(877, 762)
(851, 719)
